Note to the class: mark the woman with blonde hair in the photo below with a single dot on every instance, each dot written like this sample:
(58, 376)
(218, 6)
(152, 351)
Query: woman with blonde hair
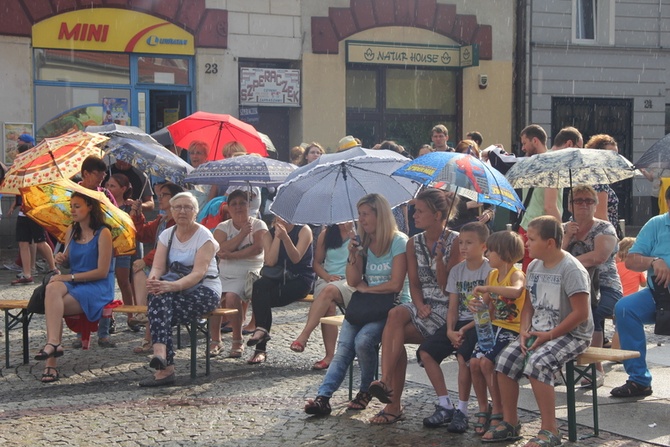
(377, 265)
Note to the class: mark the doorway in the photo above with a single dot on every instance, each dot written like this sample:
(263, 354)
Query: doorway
(166, 107)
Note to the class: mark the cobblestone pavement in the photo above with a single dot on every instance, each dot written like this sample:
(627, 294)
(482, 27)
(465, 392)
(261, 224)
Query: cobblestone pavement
(97, 401)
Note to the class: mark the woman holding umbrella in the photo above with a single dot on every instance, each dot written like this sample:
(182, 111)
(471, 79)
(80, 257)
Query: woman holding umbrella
(90, 285)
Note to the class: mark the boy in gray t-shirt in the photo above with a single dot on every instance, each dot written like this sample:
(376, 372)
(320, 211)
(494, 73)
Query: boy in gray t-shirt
(556, 326)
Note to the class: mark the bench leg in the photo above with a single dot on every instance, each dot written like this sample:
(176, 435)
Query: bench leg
(7, 316)
(572, 412)
(193, 332)
(26, 317)
(594, 390)
(207, 343)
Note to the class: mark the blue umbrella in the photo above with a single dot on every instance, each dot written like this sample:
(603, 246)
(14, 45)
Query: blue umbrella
(464, 174)
(250, 170)
(149, 157)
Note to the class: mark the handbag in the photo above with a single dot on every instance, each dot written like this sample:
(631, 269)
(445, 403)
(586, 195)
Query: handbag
(661, 295)
(176, 270)
(278, 273)
(36, 302)
(252, 277)
(517, 223)
(365, 307)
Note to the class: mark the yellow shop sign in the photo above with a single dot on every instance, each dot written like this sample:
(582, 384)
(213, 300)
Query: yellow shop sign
(108, 29)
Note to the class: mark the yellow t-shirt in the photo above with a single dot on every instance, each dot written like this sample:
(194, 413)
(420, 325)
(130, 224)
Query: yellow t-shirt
(665, 184)
(507, 310)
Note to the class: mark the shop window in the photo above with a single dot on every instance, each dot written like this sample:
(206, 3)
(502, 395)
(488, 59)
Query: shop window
(593, 22)
(162, 70)
(418, 91)
(362, 90)
(82, 66)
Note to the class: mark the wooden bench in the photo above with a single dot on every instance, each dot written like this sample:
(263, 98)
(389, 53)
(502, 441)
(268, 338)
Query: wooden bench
(192, 327)
(14, 319)
(585, 367)
(308, 299)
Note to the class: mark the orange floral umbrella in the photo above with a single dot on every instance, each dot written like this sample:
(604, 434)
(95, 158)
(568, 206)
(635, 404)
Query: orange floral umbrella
(49, 205)
(51, 160)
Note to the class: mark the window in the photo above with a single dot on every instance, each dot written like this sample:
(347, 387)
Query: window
(585, 19)
(593, 22)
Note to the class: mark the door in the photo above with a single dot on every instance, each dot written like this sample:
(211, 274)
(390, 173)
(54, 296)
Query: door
(166, 107)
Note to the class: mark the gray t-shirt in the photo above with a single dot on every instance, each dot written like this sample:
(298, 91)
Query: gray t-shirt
(550, 291)
(463, 281)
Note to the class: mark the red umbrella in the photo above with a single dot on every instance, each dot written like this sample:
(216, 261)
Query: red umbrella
(216, 130)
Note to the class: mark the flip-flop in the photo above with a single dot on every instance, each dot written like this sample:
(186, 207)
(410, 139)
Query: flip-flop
(298, 346)
(388, 418)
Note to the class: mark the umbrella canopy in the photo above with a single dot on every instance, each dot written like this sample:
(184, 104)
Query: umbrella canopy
(49, 205)
(269, 146)
(51, 160)
(149, 157)
(327, 192)
(216, 130)
(244, 170)
(117, 130)
(163, 136)
(563, 168)
(657, 156)
(465, 175)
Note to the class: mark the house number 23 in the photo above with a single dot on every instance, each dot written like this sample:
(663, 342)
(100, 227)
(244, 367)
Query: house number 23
(211, 68)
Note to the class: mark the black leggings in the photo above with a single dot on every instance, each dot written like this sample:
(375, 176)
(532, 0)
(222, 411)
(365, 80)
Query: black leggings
(268, 293)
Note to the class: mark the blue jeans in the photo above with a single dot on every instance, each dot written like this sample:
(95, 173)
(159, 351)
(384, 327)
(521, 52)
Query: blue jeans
(608, 299)
(103, 327)
(361, 341)
(632, 313)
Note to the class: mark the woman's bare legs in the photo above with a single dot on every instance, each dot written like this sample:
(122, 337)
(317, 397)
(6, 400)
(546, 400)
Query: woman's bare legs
(160, 350)
(323, 306)
(57, 303)
(233, 301)
(215, 328)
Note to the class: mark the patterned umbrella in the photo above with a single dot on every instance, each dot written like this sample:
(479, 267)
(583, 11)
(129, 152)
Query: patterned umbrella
(117, 130)
(244, 170)
(327, 190)
(216, 130)
(49, 205)
(149, 157)
(563, 168)
(657, 156)
(465, 175)
(51, 160)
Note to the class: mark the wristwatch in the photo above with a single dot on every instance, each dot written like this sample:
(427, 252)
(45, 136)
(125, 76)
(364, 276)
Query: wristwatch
(654, 260)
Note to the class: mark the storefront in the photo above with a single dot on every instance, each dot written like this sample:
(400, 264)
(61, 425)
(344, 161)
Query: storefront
(100, 66)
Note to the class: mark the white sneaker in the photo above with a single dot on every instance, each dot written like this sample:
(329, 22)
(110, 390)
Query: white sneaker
(13, 266)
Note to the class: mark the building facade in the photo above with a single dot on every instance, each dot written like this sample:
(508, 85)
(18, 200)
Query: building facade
(601, 66)
(299, 71)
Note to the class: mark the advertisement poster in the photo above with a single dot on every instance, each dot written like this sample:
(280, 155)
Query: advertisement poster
(11, 133)
(170, 116)
(115, 111)
(269, 87)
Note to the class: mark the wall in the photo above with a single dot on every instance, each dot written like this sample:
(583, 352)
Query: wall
(16, 102)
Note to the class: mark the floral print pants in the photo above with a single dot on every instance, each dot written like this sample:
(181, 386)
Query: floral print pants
(169, 309)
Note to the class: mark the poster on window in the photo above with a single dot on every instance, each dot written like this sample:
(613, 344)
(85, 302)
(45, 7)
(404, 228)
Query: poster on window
(10, 139)
(115, 111)
(268, 87)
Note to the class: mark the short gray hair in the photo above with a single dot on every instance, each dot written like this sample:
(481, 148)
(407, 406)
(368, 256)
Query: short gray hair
(186, 195)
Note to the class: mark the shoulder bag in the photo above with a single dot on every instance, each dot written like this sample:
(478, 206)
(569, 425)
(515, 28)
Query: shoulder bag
(278, 272)
(517, 223)
(661, 295)
(176, 270)
(36, 303)
(366, 307)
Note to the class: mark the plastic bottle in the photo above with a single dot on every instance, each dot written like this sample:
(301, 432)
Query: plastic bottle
(485, 334)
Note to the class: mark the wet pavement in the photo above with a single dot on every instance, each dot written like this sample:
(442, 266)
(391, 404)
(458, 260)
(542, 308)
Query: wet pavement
(98, 402)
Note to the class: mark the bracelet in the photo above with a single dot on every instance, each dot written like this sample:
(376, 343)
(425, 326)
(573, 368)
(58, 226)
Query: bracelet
(72, 276)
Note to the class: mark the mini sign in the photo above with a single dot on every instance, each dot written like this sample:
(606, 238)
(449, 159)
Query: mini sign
(414, 55)
(269, 87)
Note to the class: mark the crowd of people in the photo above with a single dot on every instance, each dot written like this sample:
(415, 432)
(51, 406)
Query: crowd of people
(436, 262)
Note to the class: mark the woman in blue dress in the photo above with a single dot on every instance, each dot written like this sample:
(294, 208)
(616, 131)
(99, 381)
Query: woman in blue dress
(90, 285)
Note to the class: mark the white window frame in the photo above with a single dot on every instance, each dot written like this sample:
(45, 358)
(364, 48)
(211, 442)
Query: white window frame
(603, 22)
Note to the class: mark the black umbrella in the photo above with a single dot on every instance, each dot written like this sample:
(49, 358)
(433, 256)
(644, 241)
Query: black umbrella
(657, 156)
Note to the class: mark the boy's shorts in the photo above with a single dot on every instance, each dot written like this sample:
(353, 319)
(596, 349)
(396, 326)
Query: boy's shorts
(503, 338)
(27, 230)
(439, 347)
(123, 262)
(543, 362)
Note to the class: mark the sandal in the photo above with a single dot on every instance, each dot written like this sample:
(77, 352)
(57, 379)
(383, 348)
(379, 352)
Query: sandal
(360, 402)
(319, 406)
(258, 358)
(263, 339)
(298, 346)
(631, 389)
(551, 440)
(215, 348)
(236, 353)
(43, 355)
(503, 432)
(379, 390)
(146, 348)
(49, 377)
(482, 427)
(384, 418)
(321, 364)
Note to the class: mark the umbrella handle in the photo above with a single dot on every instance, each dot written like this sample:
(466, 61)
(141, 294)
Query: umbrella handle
(343, 168)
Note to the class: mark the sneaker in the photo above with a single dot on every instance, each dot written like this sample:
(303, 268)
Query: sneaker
(13, 266)
(442, 416)
(106, 343)
(112, 327)
(139, 319)
(600, 380)
(459, 423)
(41, 265)
(23, 280)
(77, 344)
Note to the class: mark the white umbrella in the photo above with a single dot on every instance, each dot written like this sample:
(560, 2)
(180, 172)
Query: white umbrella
(326, 191)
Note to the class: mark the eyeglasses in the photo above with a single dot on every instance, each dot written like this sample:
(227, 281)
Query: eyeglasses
(188, 208)
(584, 202)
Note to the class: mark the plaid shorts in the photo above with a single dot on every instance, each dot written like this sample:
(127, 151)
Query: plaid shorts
(542, 363)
